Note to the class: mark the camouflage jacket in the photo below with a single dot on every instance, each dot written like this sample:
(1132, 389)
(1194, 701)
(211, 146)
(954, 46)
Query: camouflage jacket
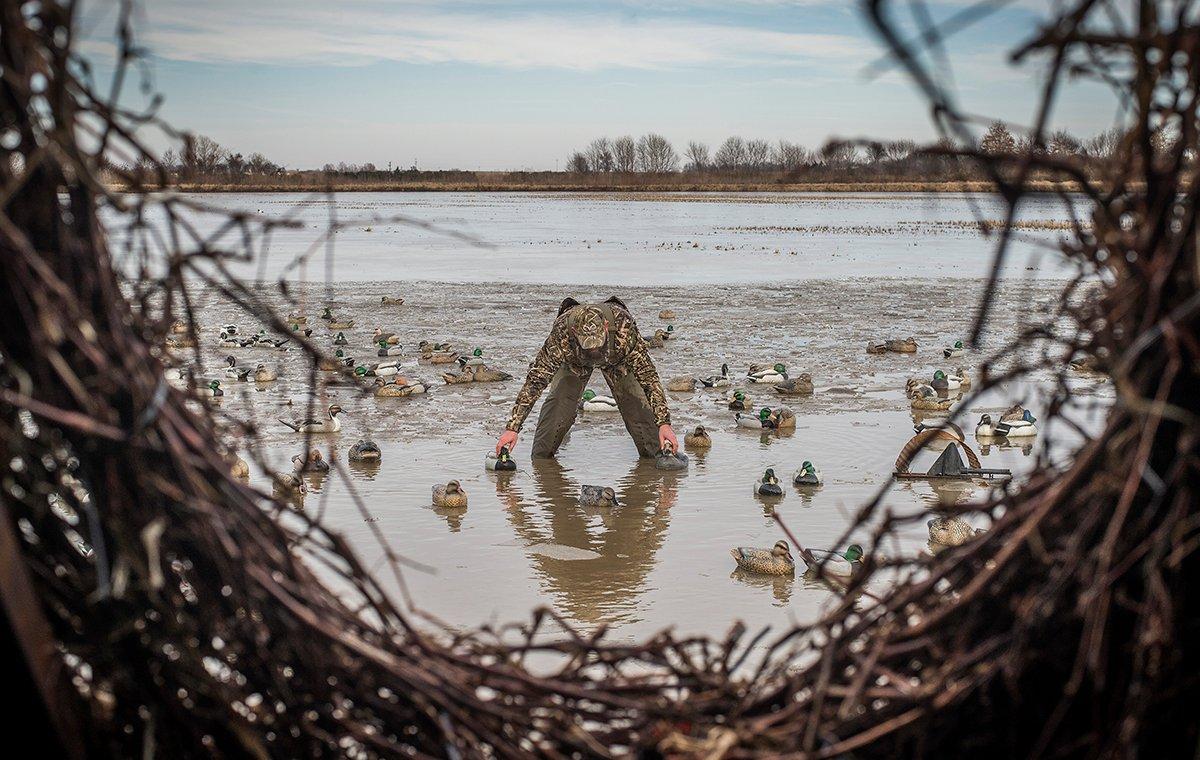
(625, 352)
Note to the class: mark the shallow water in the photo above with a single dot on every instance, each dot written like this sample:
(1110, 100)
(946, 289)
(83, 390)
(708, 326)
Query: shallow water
(622, 239)
(661, 559)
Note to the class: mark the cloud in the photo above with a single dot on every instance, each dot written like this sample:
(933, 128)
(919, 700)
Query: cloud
(300, 33)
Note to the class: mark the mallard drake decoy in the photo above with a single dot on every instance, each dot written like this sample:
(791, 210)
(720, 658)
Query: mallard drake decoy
(301, 329)
(330, 424)
(698, 438)
(718, 381)
(212, 390)
(388, 349)
(598, 496)
(841, 566)
(264, 375)
(955, 351)
(739, 402)
(230, 329)
(951, 531)
(335, 362)
(595, 403)
(389, 301)
(502, 462)
(774, 561)
(768, 484)
(772, 376)
(327, 314)
(666, 315)
(1011, 426)
(666, 334)
(682, 384)
(450, 495)
(800, 385)
(365, 451)
(807, 475)
(391, 339)
(314, 462)
(383, 369)
(750, 421)
(340, 340)
(474, 360)
(240, 469)
(943, 382)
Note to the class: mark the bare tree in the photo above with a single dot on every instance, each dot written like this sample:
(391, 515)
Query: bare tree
(876, 151)
(788, 156)
(1104, 145)
(578, 163)
(1063, 143)
(838, 153)
(997, 140)
(758, 153)
(731, 156)
(655, 155)
(697, 156)
(600, 155)
(625, 154)
(899, 150)
(203, 155)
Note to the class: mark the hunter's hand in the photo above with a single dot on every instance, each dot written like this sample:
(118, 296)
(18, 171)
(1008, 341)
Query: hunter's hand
(508, 440)
(666, 437)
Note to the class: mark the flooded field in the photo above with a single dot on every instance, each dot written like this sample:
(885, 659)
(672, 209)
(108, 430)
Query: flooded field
(623, 239)
(662, 557)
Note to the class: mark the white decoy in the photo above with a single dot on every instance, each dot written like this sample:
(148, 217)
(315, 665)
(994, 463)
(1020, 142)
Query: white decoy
(330, 424)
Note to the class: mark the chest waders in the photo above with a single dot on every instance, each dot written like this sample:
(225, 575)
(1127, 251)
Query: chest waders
(561, 404)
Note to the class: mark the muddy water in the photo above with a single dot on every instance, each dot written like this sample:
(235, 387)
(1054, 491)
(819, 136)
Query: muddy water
(662, 558)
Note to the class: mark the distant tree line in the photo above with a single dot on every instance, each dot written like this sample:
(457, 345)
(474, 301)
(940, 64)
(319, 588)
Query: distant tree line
(739, 157)
(202, 156)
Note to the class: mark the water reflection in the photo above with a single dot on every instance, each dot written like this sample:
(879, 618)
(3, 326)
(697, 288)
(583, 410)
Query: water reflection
(626, 538)
(780, 586)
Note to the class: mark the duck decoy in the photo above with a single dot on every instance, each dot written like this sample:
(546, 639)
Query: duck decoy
(754, 421)
(330, 424)
(212, 390)
(955, 351)
(396, 389)
(264, 375)
(774, 561)
(768, 484)
(340, 324)
(313, 463)
(943, 382)
(698, 439)
(450, 495)
(1013, 426)
(807, 475)
(598, 496)
(951, 531)
(739, 402)
(772, 376)
(386, 349)
(365, 451)
(670, 459)
(502, 462)
(666, 315)
(780, 419)
(682, 384)
(489, 375)
(228, 341)
(391, 339)
(340, 340)
(592, 402)
(800, 385)
(718, 381)
(841, 566)
(240, 469)
(335, 362)
(389, 301)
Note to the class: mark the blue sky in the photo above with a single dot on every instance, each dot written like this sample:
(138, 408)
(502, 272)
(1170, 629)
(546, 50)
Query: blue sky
(511, 85)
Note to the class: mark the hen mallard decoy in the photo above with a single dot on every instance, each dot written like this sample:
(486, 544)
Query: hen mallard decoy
(698, 439)
(739, 402)
(264, 375)
(924, 398)
(681, 384)
(780, 419)
(951, 531)
(502, 462)
(389, 301)
(770, 376)
(598, 496)
(895, 345)
(593, 402)
(297, 318)
(768, 484)
(488, 375)
(340, 324)
(329, 424)
(240, 469)
(397, 389)
(955, 351)
(774, 561)
(313, 463)
(179, 327)
(654, 341)
(289, 486)
(718, 381)
(666, 315)
(390, 338)
(450, 495)
(365, 451)
(807, 475)
(425, 347)
(800, 385)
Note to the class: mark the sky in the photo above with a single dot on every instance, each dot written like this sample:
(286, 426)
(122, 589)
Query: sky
(507, 85)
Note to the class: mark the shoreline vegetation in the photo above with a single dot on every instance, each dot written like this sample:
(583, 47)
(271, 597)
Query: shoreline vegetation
(651, 164)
